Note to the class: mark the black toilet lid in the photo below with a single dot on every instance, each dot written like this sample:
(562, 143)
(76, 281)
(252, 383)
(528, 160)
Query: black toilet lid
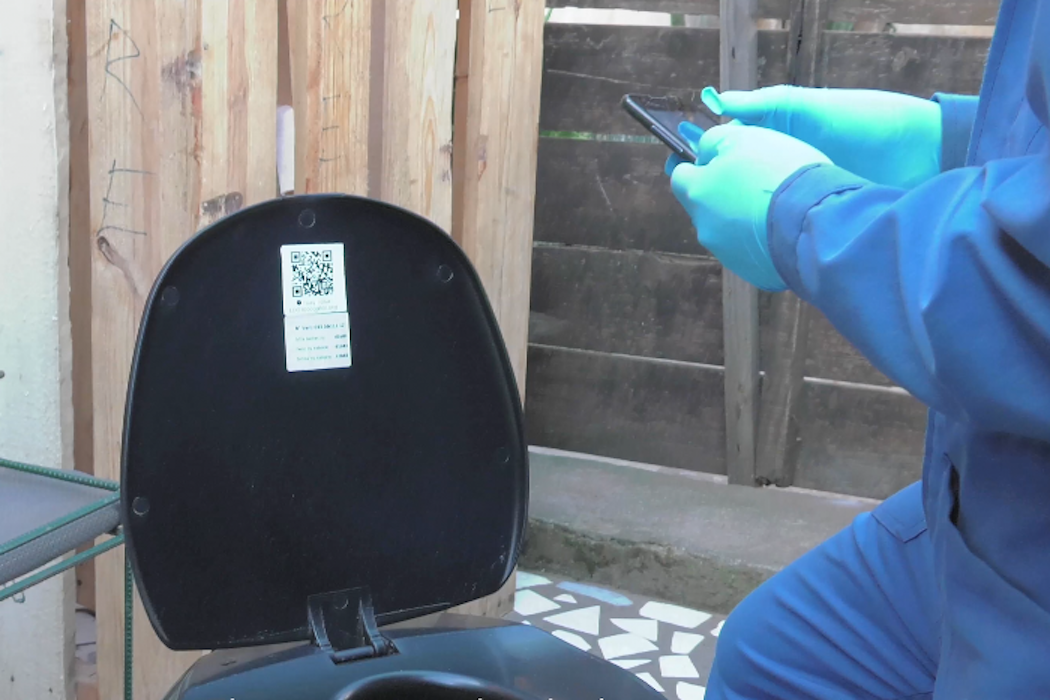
(262, 465)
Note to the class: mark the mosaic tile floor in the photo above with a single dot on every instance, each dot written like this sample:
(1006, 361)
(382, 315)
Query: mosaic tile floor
(667, 646)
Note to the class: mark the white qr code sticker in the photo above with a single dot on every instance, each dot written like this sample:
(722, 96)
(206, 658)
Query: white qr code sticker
(313, 278)
(316, 321)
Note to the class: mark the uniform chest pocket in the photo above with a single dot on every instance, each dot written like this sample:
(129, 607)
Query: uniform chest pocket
(902, 514)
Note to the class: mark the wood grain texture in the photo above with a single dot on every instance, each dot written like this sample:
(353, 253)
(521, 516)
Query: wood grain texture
(661, 306)
(954, 12)
(653, 411)
(917, 65)
(181, 128)
(415, 171)
(588, 69)
(780, 404)
(498, 73)
(766, 8)
(80, 266)
(609, 195)
(785, 364)
(738, 63)
(330, 43)
(854, 439)
(950, 12)
(497, 102)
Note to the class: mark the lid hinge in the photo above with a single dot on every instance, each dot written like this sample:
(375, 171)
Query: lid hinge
(344, 625)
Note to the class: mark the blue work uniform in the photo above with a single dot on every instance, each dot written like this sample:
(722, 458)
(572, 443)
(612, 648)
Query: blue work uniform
(944, 590)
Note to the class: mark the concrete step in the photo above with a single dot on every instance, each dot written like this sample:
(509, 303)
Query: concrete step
(681, 536)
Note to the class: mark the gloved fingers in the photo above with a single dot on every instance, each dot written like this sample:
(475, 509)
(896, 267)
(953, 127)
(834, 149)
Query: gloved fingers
(691, 133)
(673, 161)
(686, 181)
(716, 140)
(749, 106)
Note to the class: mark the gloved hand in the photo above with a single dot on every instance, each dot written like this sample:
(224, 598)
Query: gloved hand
(886, 137)
(727, 194)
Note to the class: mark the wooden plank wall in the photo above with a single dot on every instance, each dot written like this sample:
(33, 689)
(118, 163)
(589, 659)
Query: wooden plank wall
(182, 131)
(181, 101)
(626, 341)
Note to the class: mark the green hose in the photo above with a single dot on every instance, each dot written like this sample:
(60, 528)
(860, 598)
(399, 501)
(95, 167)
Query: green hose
(64, 475)
(129, 605)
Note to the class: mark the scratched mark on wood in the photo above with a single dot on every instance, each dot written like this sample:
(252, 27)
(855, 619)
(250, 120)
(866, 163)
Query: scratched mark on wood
(109, 203)
(118, 32)
(329, 139)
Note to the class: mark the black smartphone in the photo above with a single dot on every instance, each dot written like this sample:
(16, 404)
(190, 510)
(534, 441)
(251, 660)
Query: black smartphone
(662, 115)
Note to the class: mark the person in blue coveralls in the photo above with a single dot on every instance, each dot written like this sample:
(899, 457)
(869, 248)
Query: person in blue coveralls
(921, 229)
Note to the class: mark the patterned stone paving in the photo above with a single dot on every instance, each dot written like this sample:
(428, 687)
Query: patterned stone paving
(668, 646)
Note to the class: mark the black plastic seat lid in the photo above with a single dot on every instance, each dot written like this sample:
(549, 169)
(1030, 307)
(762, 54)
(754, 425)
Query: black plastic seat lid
(320, 400)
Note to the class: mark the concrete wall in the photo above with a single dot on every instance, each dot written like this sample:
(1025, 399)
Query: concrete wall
(36, 635)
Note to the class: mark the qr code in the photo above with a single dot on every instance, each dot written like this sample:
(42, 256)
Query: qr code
(313, 274)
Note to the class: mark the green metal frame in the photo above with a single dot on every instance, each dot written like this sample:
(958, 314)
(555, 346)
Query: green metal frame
(55, 569)
(115, 540)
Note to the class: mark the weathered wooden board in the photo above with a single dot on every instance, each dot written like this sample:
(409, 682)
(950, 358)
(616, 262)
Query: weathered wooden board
(787, 335)
(80, 267)
(663, 306)
(766, 8)
(414, 169)
(611, 195)
(182, 129)
(498, 73)
(640, 409)
(371, 84)
(499, 57)
(952, 12)
(854, 440)
(331, 59)
(866, 442)
(628, 302)
(588, 69)
(738, 70)
(917, 65)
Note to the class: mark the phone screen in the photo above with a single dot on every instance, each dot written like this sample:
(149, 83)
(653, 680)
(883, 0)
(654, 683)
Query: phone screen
(662, 115)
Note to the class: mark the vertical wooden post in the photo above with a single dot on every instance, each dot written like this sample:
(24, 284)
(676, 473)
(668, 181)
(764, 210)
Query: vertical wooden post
(376, 119)
(499, 65)
(739, 71)
(182, 97)
(331, 57)
(36, 421)
(413, 167)
(498, 71)
(784, 383)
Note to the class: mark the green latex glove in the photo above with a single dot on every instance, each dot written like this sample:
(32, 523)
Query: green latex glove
(886, 137)
(727, 196)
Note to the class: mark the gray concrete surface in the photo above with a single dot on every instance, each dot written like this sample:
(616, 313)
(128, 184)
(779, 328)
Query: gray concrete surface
(680, 536)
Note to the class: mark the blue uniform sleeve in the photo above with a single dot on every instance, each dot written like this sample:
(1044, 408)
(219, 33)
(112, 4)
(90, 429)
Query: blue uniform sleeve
(957, 115)
(944, 287)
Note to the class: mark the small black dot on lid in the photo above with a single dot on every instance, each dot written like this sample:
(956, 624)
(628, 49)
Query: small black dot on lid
(140, 506)
(169, 297)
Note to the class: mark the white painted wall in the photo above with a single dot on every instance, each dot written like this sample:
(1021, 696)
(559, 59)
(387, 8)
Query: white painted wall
(36, 636)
